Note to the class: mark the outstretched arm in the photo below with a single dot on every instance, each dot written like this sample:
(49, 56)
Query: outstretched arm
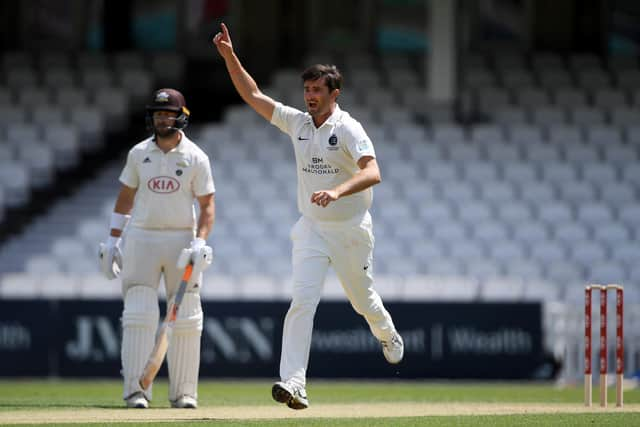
(242, 80)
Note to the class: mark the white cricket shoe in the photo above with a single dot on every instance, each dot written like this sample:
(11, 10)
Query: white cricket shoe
(294, 396)
(185, 402)
(393, 349)
(137, 400)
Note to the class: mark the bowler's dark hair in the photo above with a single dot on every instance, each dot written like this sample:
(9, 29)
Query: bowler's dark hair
(330, 73)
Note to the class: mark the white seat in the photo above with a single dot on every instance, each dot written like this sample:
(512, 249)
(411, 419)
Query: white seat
(541, 291)
(569, 232)
(546, 251)
(583, 116)
(443, 267)
(39, 160)
(219, 287)
(21, 77)
(609, 98)
(114, 105)
(627, 252)
(97, 286)
(528, 269)
(90, 122)
(563, 271)
(631, 173)
(432, 213)
(496, 191)
(552, 213)
(441, 172)
(448, 133)
(603, 135)
(541, 153)
(487, 133)
(480, 171)
(466, 250)
(425, 249)
(502, 289)
(524, 134)
(60, 286)
(473, 212)
(63, 139)
(531, 232)
(620, 154)
(547, 116)
(565, 134)
(461, 151)
(48, 115)
(611, 234)
(259, 287)
(389, 287)
(618, 195)
(629, 214)
(20, 285)
(599, 173)
(458, 192)
(482, 269)
(489, 231)
(519, 172)
(588, 253)
(503, 152)
(12, 115)
(59, 77)
(449, 288)
(570, 97)
(410, 230)
(514, 213)
(578, 153)
(557, 172)
(448, 231)
(594, 214)
(14, 178)
(506, 251)
(123, 60)
(606, 272)
(94, 78)
(33, 96)
(389, 249)
(537, 193)
(23, 132)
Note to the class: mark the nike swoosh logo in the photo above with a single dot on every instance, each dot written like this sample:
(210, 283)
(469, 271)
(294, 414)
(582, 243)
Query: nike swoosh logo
(302, 139)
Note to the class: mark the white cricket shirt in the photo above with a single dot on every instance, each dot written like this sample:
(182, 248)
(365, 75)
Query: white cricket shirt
(326, 157)
(167, 183)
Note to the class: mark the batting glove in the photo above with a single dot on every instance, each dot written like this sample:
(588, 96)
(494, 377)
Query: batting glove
(110, 257)
(197, 253)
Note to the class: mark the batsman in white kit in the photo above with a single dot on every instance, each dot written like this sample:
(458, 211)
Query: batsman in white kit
(163, 177)
(336, 168)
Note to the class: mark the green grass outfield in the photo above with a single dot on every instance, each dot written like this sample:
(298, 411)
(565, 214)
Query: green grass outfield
(333, 403)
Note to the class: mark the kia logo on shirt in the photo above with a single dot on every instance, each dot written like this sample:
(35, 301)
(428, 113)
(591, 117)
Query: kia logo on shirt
(163, 184)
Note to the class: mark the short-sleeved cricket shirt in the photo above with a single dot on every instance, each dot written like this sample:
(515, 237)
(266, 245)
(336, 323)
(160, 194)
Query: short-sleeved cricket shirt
(326, 157)
(167, 183)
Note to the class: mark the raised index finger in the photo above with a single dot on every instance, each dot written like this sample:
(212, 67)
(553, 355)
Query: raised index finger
(225, 31)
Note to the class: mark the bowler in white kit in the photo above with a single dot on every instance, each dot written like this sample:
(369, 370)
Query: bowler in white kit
(336, 167)
(163, 177)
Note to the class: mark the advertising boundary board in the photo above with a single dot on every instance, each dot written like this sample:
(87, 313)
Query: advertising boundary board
(81, 338)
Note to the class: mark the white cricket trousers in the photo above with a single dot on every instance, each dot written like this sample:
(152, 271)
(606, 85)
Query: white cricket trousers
(149, 255)
(348, 247)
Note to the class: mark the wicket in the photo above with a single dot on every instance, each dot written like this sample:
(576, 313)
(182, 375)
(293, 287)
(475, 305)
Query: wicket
(603, 344)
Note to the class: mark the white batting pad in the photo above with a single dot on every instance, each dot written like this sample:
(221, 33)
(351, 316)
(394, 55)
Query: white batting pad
(139, 323)
(183, 355)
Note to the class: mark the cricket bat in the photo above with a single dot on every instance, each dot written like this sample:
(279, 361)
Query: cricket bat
(164, 334)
